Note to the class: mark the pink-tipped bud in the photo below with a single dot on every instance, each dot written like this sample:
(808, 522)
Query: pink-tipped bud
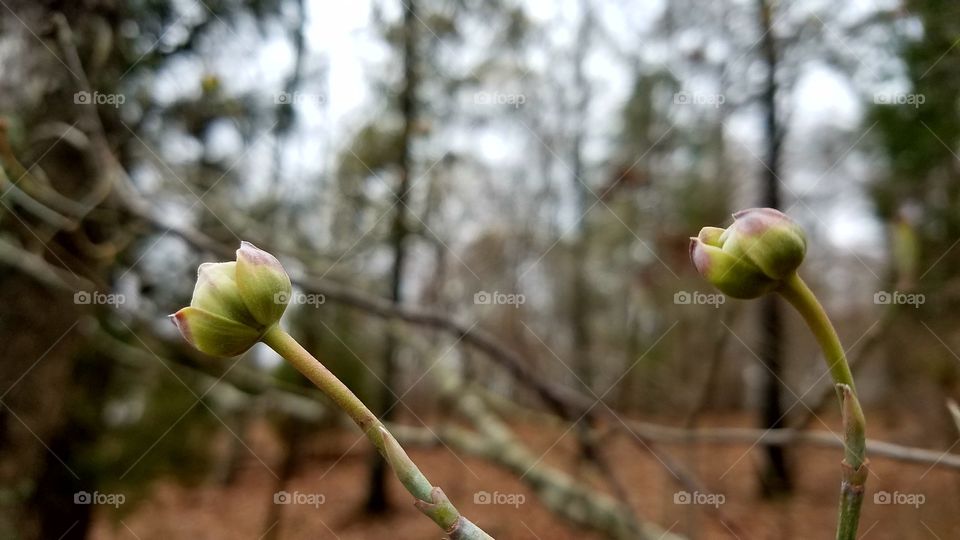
(752, 256)
(234, 303)
(264, 284)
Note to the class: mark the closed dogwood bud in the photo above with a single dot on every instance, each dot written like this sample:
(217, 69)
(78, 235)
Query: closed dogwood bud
(753, 255)
(234, 303)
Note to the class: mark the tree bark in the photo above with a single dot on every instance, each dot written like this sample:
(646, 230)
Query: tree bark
(377, 497)
(775, 478)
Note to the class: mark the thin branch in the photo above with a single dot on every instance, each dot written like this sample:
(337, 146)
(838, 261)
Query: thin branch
(104, 181)
(38, 268)
(12, 191)
(736, 436)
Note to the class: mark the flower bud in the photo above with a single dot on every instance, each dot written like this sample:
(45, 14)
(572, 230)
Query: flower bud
(752, 256)
(234, 303)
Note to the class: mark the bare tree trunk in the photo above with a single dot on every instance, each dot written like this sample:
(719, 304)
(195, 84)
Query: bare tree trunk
(775, 478)
(284, 113)
(42, 430)
(580, 297)
(377, 497)
(291, 461)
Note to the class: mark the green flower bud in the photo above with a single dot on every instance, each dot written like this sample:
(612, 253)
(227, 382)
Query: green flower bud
(752, 256)
(264, 285)
(234, 303)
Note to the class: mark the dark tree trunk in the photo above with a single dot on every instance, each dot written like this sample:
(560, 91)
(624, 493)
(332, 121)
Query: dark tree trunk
(63, 475)
(40, 338)
(377, 497)
(775, 478)
(580, 296)
(291, 462)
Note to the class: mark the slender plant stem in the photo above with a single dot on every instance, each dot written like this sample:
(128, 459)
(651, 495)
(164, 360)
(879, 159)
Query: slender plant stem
(795, 291)
(802, 298)
(429, 499)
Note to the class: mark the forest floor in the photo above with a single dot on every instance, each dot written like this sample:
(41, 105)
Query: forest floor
(334, 473)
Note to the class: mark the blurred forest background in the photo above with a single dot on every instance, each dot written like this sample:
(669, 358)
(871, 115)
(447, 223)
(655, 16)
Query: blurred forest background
(485, 206)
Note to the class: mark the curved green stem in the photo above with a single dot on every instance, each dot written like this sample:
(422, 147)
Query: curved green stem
(795, 291)
(429, 499)
(802, 298)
